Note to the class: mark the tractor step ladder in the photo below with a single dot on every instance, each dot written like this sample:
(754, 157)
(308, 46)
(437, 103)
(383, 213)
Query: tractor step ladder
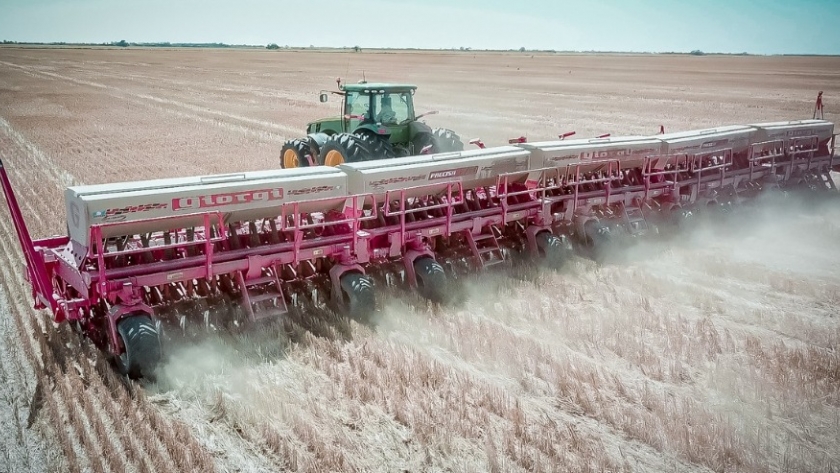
(634, 219)
(260, 305)
(485, 247)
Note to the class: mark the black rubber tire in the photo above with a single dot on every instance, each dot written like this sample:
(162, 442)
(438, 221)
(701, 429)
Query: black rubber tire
(555, 250)
(596, 234)
(683, 218)
(351, 148)
(431, 279)
(359, 296)
(446, 140)
(378, 146)
(421, 140)
(141, 340)
(300, 148)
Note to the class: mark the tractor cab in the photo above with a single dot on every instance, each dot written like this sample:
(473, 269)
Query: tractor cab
(381, 109)
(375, 121)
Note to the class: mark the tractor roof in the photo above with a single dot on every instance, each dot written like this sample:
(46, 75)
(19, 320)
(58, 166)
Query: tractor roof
(374, 86)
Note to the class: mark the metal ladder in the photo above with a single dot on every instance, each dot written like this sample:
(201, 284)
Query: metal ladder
(634, 220)
(485, 247)
(262, 297)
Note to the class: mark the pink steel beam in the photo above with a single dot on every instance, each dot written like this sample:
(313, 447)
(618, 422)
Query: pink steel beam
(41, 287)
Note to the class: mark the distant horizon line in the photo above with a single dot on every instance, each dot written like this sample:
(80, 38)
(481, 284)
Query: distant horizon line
(275, 46)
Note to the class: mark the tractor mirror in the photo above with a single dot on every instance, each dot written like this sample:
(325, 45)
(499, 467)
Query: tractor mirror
(323, 98)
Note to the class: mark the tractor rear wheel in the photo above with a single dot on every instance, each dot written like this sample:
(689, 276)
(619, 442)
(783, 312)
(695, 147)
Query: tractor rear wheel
(343, 148)
(379, 147)
(294, 154)
(423, 140)
(142, 346)
(359, 298)
(446, 140)
(431, 280)
(556, 251)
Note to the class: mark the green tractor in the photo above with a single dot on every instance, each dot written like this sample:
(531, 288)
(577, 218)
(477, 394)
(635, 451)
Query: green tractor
(377, 122)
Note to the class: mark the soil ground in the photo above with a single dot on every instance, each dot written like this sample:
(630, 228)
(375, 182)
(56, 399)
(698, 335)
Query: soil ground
(713, 351)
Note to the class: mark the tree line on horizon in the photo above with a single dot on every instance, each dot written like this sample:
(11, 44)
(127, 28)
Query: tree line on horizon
(274, 46)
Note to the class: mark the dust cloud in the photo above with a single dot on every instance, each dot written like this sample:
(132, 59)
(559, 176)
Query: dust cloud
(712, 346)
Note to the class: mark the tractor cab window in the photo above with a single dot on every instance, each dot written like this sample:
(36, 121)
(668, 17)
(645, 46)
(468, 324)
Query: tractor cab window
(392, 109)
(357, 103)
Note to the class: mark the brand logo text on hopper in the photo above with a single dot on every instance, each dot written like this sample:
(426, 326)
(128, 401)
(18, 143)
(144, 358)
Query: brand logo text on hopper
(231, 198)
(459, 172)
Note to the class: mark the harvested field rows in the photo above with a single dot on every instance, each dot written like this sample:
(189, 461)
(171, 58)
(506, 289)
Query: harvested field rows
(714, 351)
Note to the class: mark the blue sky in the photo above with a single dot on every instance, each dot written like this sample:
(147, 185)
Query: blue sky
(754, 26)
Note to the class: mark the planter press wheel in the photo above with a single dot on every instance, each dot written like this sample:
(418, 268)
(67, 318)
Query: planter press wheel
(141, 341)
(683, 217)
(431, 279)
(597, 234)
(597, 240)
(555, 251)
(359, 297)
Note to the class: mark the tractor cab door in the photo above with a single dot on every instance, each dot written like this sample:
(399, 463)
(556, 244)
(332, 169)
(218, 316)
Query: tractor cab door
(394, 111)
(356, 105)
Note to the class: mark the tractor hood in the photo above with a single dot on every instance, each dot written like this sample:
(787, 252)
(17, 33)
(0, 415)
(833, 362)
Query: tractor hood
(335, 119)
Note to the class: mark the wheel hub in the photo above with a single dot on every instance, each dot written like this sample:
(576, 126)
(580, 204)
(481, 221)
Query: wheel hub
(333, 158)
(290, 159)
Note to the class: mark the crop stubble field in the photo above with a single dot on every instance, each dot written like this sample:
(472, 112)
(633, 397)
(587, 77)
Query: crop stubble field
(713, 351)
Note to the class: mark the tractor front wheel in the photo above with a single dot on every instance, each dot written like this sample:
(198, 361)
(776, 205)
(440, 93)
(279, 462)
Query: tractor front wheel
(343, 148)
(294, 154)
